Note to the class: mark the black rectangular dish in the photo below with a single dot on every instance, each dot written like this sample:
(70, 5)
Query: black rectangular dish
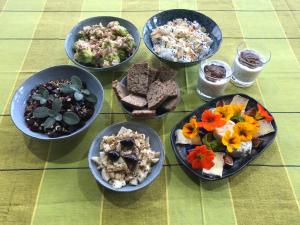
(239, 163)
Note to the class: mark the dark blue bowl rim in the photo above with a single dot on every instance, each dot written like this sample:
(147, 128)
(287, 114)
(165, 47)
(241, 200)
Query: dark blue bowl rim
(139, 186)
(182, 63)
(250, 158)
(98, 68)
(45, 137)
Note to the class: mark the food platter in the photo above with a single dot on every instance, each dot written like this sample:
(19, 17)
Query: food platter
(239, 164)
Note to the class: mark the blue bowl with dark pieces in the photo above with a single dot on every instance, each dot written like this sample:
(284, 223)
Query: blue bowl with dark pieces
(162, 18)
(155, 144)
(73, 36)
(21, 96)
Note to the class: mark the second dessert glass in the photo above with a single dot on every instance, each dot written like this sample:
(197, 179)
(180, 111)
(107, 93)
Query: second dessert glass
(248, 63)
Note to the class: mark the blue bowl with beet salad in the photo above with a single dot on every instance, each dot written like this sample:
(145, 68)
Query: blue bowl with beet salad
(57, 103)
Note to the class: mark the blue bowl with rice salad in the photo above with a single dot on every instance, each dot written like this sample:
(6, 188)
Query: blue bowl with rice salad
(181, 36)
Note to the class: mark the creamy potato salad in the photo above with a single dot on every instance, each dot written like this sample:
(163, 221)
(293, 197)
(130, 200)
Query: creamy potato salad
(181, 40)
(125, 158)
(104, 46)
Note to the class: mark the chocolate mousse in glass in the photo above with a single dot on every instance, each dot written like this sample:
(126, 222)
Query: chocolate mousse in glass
(214, 76)
(248, 63)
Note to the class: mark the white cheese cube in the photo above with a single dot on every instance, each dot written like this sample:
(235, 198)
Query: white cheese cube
(181, 139)
(217, 169)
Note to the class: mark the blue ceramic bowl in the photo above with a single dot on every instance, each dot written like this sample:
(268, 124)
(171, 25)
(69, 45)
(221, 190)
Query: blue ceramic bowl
(163, 17)
(73, 36)
(155, 144)
(18, 103)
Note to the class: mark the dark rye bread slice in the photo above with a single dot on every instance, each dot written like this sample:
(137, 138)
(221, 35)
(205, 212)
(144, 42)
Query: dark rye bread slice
(119, 89)
(166, 73)
(156, 94)
(137, 79)
(143, 113)
(152, 75)
(170, 104)
(134, 101)
(172, 88)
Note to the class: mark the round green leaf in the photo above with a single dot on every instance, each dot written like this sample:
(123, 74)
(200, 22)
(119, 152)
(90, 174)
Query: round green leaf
(78, 96)
(85, 91)
(39, 98)
(51, 113)
(75, 87)
(49, 122)
(71, 118)
(41, 112)
(91, 98)
(58, 117)
(76, 81)
(66, 89)
(56, 105)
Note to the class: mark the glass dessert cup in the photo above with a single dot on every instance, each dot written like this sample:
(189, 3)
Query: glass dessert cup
(210, 86)
(248, 63)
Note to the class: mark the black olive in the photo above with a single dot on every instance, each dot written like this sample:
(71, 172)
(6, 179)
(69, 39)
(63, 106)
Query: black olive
(130, 159)
(113, 155)
(128, 143)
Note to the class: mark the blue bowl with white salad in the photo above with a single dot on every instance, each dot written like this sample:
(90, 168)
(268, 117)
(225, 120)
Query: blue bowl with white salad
(102, 43)
(182, 36)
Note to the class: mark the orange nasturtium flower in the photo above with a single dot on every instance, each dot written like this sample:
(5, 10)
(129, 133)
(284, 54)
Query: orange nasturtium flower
(231, 141)
(262, 113)
(201, 157)
(190, 130)
(225, 111)
(210, 121)
(245, 131)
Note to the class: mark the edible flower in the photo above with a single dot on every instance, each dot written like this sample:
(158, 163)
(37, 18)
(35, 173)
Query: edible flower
(262, 113)
(245, 131)
(237, 109)
(190, 130)
(210, 121)
(250, 120)
(201, 157)
(225, 111)
(231, 141)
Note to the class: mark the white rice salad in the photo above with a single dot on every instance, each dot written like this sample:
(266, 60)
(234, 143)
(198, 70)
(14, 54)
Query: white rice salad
(181, 40)
(125, 158)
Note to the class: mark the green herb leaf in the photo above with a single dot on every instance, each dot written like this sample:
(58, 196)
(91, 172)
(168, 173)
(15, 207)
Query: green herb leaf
(71, 118)
(78, 96)
(49, 122)
(85, 91)
(58, 117)
(91, 98)
(41, 112)
(66, 89)
(76, 81)
(75, 87)
(51, 113)
(51, 97)
(39, 98)
(56, 105)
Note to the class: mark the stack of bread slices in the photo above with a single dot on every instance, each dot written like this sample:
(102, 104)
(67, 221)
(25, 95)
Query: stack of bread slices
(148, 92)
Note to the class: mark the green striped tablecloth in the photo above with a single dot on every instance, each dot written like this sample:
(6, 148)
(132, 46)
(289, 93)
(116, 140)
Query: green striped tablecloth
(50, 183)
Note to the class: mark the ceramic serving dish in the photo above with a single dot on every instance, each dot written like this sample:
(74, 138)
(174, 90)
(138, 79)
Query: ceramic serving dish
(18, 103)
(73, 36)
(162, 18)
(239, 163)
(155, 144)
